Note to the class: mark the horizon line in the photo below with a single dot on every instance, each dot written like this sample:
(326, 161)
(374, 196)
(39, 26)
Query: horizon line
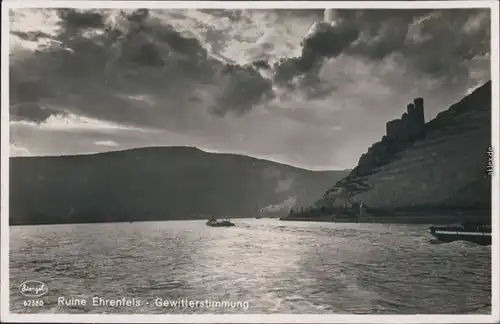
(208, 151)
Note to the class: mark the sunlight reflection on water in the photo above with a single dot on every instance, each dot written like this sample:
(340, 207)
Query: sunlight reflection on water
(278, 267)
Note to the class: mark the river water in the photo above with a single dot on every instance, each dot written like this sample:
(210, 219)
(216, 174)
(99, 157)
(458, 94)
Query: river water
(259, 266)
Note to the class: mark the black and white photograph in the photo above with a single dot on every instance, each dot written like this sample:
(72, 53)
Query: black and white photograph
(252, 159)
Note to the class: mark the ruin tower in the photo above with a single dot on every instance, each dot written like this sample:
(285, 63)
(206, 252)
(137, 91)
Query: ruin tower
(394, 129)
(419, 110)
(410, 108)
(412, 122)
(419, 117)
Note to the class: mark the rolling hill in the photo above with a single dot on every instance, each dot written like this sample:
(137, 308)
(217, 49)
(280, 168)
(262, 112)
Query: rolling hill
(156, 183)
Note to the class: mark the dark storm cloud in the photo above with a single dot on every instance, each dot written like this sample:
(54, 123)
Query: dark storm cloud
(30, 36)
(168, 70)
(32, 112)
(383, 32)
(137, 53)
(436, 43)
(80, 19)
(28, 90)
(245, 88)
(324, 41)
(26, 98)
(261, 64)
(93, 61)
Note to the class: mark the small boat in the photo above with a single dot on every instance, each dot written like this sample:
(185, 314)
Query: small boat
(219, 223)
(475, 232)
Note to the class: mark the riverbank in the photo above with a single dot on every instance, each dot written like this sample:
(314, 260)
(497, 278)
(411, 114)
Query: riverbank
(387, 220)
(401, 216)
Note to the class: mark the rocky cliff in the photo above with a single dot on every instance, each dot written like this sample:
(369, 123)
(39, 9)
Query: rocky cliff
(437, 167)
(156, 184)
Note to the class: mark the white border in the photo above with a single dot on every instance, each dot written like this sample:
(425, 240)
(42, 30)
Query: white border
(254, 318)
(248, 4)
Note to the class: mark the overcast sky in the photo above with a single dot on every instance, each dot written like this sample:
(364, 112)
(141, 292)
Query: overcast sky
(308, 88)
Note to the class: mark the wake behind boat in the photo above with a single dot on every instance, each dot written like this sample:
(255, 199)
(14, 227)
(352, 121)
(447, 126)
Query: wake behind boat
(219, 223)
(475, 232)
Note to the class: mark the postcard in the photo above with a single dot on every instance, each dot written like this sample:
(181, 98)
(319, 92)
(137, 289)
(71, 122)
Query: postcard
(250, 162)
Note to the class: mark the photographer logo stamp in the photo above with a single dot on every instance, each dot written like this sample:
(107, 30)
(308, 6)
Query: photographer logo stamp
(33, 289)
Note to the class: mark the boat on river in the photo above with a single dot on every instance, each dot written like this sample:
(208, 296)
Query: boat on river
(475, 232)
(213, 222)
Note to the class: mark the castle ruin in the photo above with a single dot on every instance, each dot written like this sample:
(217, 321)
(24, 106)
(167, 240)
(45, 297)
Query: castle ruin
(399, 133)
(411, 125)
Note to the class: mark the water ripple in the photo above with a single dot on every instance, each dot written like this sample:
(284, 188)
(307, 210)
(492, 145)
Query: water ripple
(278, 267)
